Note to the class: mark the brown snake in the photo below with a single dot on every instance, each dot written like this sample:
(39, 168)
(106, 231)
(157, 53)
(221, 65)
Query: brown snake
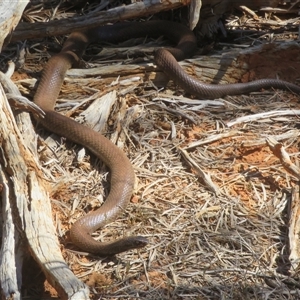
(122, 174)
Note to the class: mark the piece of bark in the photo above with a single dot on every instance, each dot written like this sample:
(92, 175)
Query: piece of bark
(294, 207)
(12, 254)
(279, 151)
(97, 114)
(194, 13)
(10, 15)
(205, 177)
(294, 230)
(26, 206)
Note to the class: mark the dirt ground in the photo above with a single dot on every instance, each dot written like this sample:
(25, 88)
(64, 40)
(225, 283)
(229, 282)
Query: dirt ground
(229, 240)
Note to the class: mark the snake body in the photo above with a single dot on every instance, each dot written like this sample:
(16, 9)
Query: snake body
(122, 174)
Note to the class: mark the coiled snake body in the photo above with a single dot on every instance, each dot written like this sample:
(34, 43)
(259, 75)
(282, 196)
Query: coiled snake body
(122, 174)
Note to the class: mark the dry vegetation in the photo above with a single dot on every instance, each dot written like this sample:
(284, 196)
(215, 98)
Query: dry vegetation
(226, 240)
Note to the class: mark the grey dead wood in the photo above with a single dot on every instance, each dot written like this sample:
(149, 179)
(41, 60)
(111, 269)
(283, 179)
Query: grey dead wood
(266, 115)
(279, 151)
(10, 15)
(200, 173)
(98, 112)
(294, 207)
(29, 210)
(195, 8)
(294, 230)
(11, 253)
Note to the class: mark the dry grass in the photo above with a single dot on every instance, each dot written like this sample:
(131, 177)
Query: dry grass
(232, 244)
